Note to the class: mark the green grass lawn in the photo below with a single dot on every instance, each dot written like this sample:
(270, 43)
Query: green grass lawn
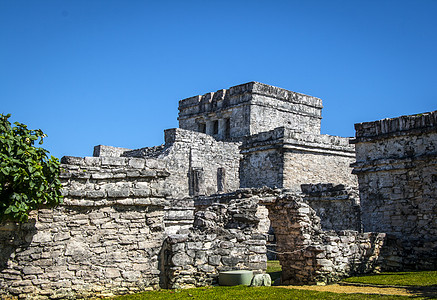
(252, 293)
(420, 278)
(425, 279)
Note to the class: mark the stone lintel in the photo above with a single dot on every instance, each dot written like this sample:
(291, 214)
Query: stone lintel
(291, 140)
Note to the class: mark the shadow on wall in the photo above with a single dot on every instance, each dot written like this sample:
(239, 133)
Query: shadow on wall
(14, 238)
(163, 263)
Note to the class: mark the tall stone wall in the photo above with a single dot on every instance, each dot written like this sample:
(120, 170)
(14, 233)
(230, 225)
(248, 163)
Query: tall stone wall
(248, 109)
(396, 165)
(288, 159)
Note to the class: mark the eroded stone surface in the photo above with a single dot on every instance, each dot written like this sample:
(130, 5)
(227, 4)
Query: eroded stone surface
(397, 173)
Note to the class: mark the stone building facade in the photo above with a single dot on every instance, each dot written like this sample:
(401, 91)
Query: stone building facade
(396, 166)
(248, 109)
(244, 161)
(287, 158)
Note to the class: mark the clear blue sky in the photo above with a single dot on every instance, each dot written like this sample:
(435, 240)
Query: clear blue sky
(111, 72)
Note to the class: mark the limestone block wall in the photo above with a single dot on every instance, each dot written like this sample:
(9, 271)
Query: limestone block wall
(270, 110)
(310, 255)
(262, 168)
(337, 206)
(197, 163)
(248, 109)
(229, 233)
(285, 158)
(105, 239)
(396, 165)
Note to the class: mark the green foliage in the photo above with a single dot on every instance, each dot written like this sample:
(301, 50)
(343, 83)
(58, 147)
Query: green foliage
(28, 178)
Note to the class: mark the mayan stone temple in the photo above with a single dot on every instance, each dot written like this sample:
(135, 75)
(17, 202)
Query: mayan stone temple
(246, 175)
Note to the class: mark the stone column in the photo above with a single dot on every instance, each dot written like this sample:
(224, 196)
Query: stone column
(222, 128)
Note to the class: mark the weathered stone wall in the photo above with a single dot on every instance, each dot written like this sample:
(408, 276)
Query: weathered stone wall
(269, 110)
(197, 163)
(337, 206)
(262, 168)
(102, 150)
(285, 158)
(105, 239)
(310, 255)
(249, 109)
(229, 233)
(302, 168)
(396, 166)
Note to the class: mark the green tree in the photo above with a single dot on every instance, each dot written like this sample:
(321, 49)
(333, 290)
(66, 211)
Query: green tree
(29, 180)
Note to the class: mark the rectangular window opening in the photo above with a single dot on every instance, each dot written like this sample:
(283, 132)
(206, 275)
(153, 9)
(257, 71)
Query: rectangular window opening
(216, 127)
(202, 127)
(196, 180)
(228, 128)
(220, 179)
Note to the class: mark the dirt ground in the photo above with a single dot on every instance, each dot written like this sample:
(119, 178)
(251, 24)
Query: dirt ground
(351, 289)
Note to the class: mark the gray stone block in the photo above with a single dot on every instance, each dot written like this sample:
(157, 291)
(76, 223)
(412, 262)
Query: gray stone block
(261, 280)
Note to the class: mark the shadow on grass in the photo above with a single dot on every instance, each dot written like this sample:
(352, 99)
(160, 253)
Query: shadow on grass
(420, 283)
(275, 275)
(428, 292)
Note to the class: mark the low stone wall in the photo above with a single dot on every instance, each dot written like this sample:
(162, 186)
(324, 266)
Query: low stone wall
(310, 255)
(229, 233)
(79, 251)
(114, 244)
(104, 239)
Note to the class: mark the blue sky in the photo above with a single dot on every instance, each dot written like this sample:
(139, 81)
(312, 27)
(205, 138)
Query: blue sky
(112, 72)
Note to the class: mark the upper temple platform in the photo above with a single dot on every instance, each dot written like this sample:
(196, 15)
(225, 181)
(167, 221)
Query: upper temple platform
(250, 108)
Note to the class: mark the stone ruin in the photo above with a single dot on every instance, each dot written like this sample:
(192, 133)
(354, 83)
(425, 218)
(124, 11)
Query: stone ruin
(244, 162)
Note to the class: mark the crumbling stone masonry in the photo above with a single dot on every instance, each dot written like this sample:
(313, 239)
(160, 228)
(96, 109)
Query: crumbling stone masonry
(310, 255)
(397, 173)
(229, 233)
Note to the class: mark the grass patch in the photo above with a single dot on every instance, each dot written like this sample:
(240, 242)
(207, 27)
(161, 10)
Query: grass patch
(424, 279)
(274, 269)
(420, 278)
(244, 292)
